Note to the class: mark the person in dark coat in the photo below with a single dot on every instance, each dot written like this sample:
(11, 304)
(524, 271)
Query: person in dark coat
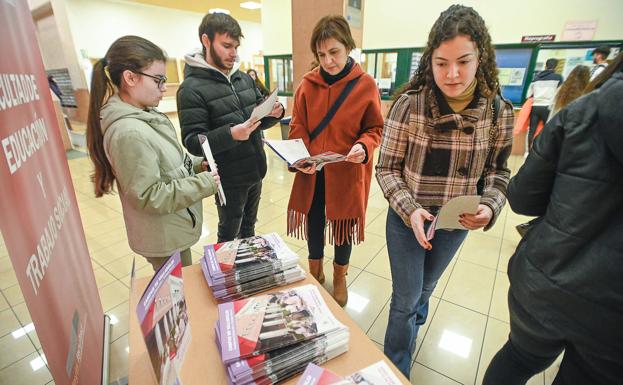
(566, 276)
(216, 99)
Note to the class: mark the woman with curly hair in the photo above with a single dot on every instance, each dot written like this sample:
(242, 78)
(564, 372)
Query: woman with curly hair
(571, 89)
(447, 130)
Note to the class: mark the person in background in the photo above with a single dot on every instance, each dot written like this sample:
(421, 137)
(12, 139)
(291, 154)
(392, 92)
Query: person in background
(542, 90)
(258, 83)
(600, 54)
(216, 100)
(135, 147)
(571, 89)
(566, 291)
(337, 195)
(440, 139)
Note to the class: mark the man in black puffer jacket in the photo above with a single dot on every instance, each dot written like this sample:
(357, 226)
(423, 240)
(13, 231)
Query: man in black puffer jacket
(567, 272)
(216, 100)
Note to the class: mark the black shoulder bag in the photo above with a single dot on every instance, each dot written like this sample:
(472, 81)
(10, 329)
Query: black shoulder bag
(331, 113)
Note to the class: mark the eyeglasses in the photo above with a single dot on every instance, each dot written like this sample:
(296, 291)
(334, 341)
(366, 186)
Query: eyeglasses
(161, 79)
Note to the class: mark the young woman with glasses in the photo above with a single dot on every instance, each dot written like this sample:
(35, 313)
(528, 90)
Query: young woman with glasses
(135, 147)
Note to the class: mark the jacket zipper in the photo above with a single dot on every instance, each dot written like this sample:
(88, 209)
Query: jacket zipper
(235, 94)
(192, 216)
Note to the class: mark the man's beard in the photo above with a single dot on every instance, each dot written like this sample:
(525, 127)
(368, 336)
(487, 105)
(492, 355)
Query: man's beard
(217, 60)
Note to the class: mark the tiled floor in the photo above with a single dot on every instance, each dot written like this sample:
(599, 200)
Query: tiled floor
(469, 302)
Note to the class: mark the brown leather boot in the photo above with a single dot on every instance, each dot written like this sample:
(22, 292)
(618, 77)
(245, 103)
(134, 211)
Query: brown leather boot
(315, 268)
(340, 292)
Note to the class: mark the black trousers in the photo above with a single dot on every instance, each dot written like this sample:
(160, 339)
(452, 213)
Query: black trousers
(535, 342)
(538, 114)
(316, 226)
(237, 218)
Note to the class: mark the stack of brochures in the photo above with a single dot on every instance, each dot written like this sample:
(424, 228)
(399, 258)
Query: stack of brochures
(244, 267)
(375, 374)
(269, 338)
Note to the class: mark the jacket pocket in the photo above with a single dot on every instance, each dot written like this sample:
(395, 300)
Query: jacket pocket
(192, 216)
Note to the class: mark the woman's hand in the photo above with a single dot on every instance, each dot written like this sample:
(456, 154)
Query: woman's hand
(357, 154)
(277, 110)
(476, 221)
(307, 169)
(417, 224)
(214, 173)
(216, 177)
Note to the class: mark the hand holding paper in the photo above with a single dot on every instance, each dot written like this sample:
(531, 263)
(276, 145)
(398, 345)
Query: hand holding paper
(205, 146)
(265, 108)
(450, 214)
(242, 131)
(480, 219)
(295, 153)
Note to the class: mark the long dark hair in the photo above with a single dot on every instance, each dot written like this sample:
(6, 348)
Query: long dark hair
(126, 53)
(615, 66)
(454, 21)
(258, 83)
(573, 87)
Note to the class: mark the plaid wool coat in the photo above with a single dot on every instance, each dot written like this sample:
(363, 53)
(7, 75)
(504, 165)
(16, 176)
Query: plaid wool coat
(429, 154)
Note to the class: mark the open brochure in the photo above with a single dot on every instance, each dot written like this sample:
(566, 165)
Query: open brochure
(295, 153)
(375, 374)
(163, 317)
(266, 107)
(448, 217)
(207, 151)
(267, 322)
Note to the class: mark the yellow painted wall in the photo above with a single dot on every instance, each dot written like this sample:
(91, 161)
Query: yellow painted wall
(277, 27)
(406, 23)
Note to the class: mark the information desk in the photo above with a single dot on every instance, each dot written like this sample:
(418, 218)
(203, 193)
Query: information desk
(202, 363)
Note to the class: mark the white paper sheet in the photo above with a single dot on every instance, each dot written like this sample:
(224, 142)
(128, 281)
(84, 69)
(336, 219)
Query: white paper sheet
(207, 151)
(448, 217)
(289, 150)
(265, 107)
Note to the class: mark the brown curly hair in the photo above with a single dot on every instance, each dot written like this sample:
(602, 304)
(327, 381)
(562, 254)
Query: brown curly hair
(454, 21)
(573, 87)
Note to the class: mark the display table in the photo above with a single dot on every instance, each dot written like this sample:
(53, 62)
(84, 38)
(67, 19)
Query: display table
(202, 363)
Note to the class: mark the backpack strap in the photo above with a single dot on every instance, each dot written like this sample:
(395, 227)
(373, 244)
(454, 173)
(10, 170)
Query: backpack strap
(336, 105)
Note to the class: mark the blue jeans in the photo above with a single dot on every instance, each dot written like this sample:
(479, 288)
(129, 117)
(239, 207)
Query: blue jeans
(415, 272)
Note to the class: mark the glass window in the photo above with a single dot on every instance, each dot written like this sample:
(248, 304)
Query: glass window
(513, 66)
(281, 75)
(386, 63)
(367, 63)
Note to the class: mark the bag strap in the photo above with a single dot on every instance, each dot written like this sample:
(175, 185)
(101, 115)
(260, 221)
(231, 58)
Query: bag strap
(331, 113)
(493, 130)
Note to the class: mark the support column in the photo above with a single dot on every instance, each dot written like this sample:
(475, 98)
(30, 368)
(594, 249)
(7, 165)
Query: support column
(305, 15)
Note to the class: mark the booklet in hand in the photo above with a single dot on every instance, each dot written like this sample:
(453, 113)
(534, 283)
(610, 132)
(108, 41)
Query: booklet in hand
(295, 153)
(264, 108)
(448, 217)
(207, 151)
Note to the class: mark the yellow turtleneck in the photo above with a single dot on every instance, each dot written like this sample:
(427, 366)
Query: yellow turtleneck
(459, 103)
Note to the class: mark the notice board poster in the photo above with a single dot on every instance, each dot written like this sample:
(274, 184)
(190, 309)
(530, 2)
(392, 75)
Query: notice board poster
(39, 218)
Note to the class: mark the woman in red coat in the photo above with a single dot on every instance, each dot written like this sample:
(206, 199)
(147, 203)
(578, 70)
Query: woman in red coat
(337, 196)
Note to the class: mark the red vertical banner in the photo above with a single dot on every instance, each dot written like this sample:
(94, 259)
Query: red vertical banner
(39, 215)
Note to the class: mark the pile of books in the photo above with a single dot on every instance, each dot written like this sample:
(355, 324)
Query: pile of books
(244, 267)
(375, 374)
(268, 338)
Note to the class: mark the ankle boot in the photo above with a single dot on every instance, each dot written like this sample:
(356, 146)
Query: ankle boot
(340, 292)
(315, 269)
